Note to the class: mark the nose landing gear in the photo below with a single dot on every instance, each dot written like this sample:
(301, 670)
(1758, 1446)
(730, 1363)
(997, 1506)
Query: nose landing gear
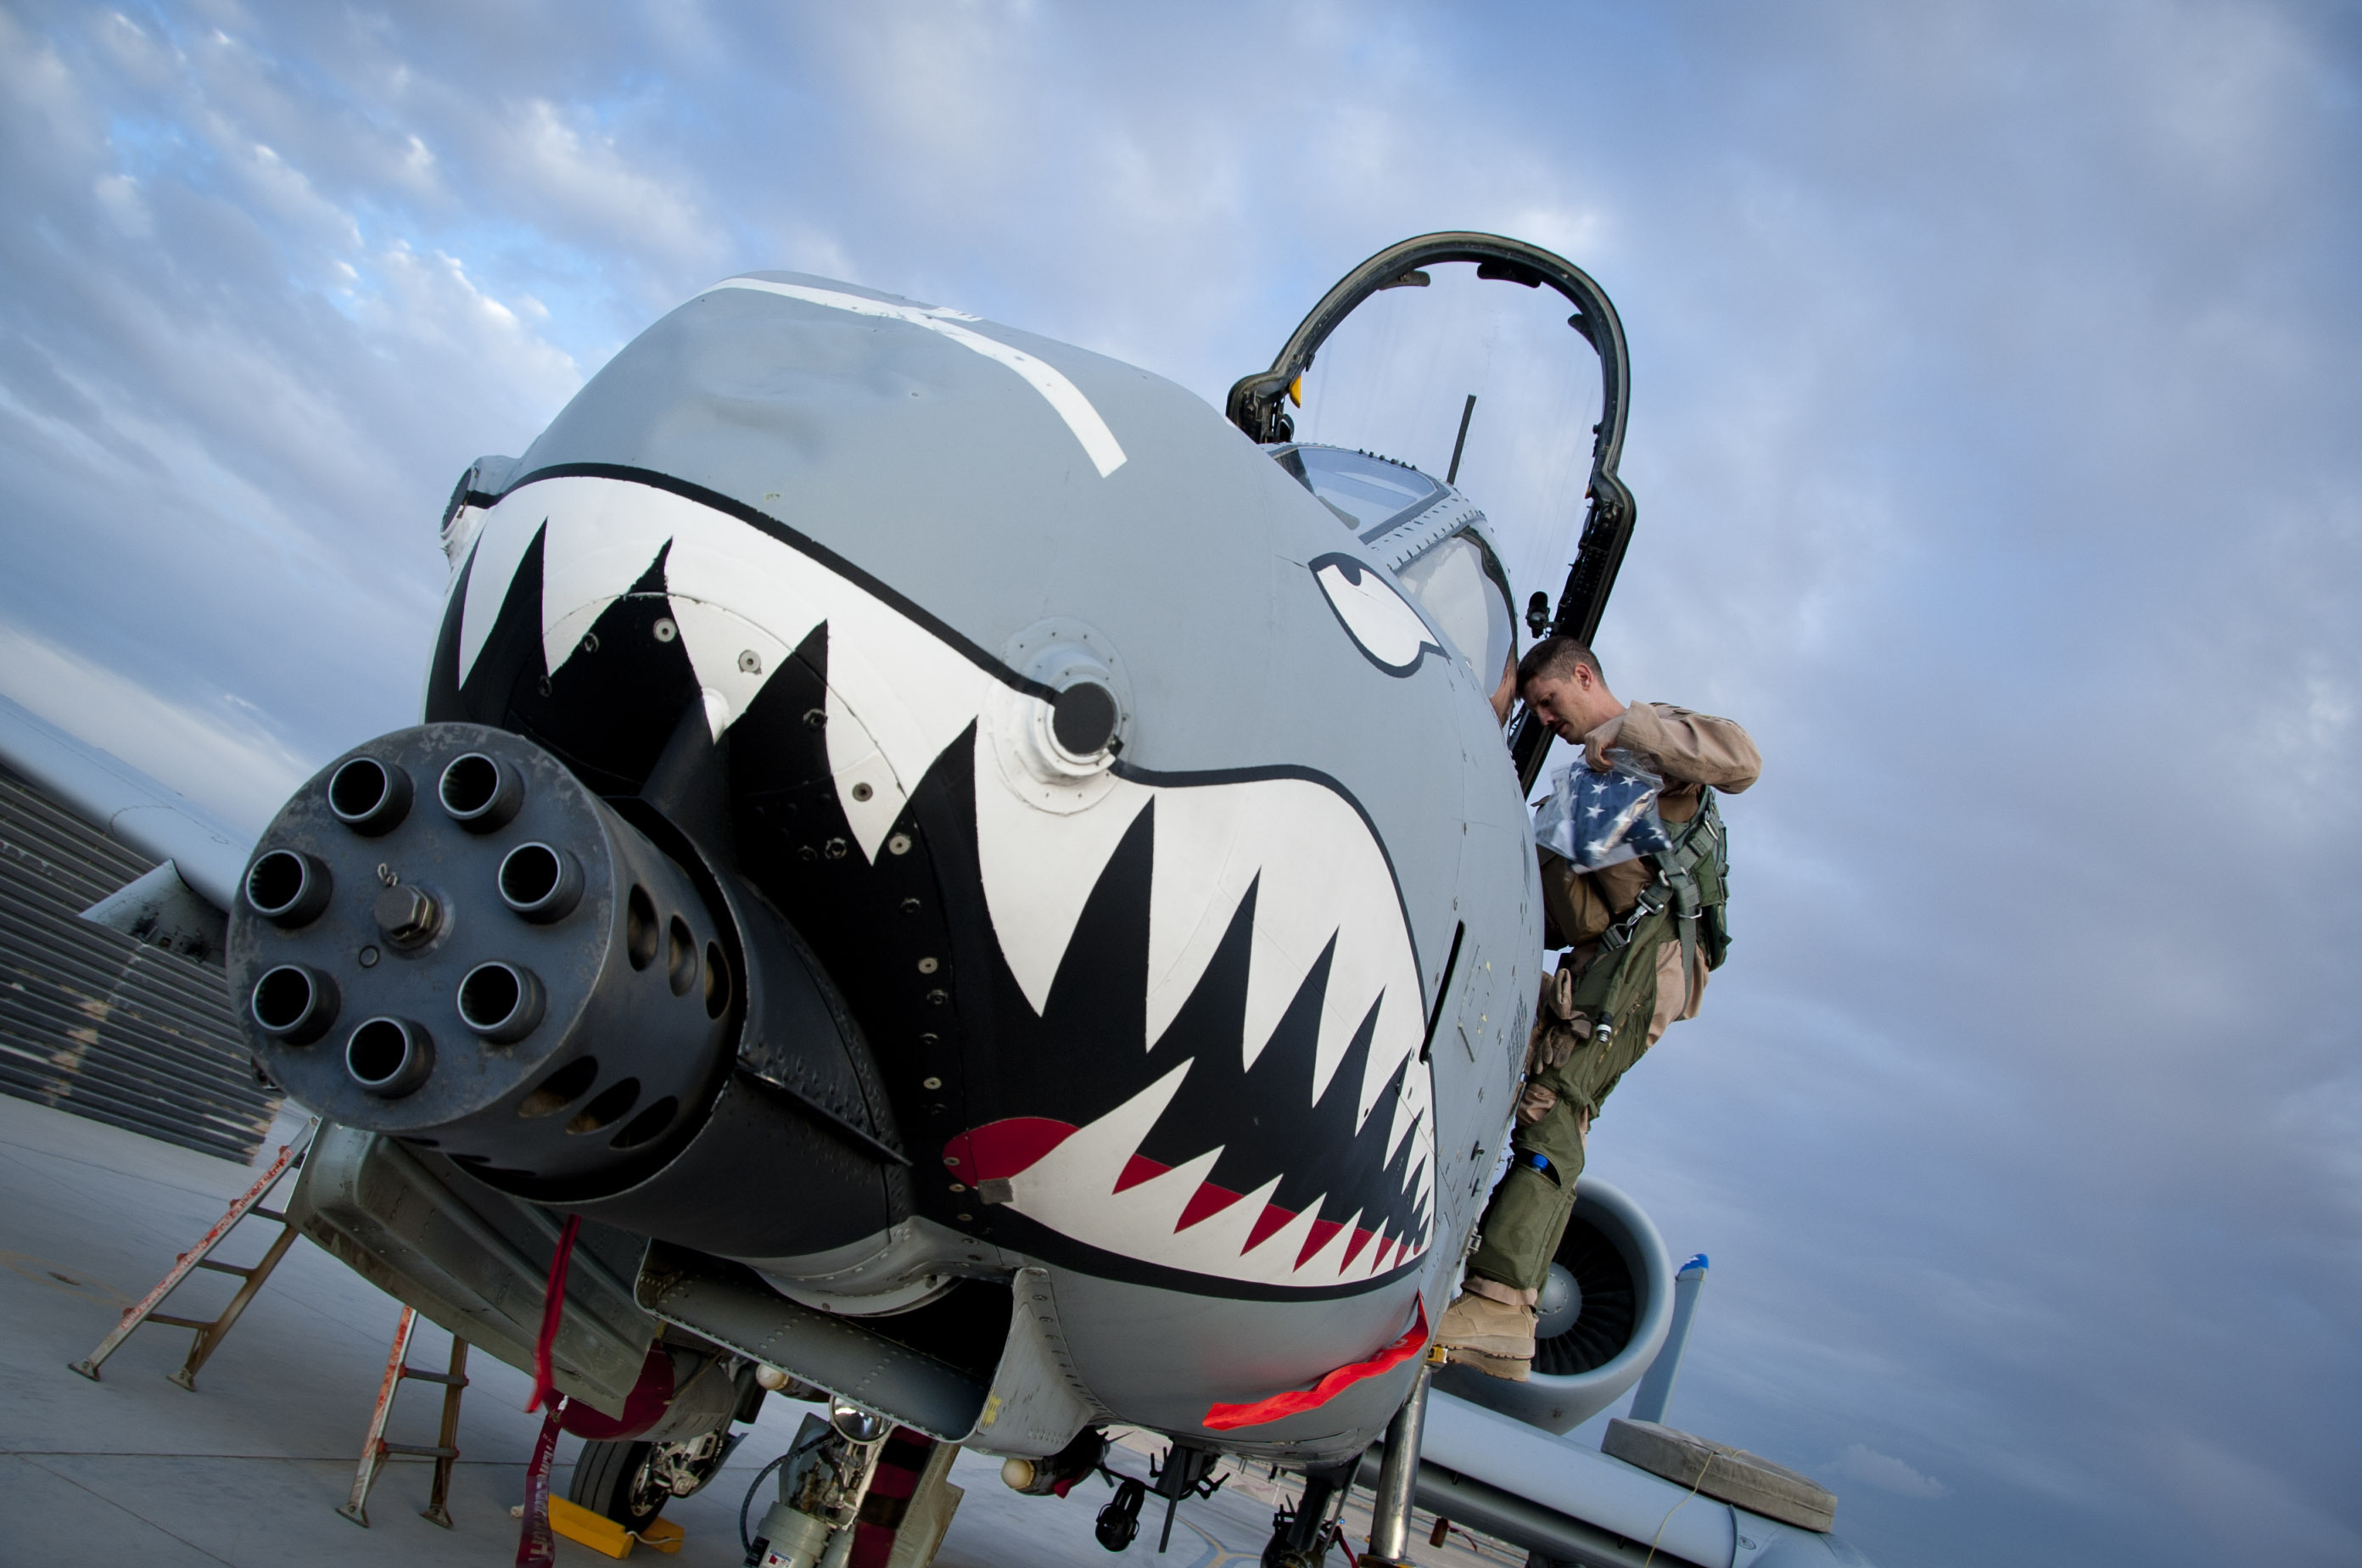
(1301, 1536)
(822, 1490)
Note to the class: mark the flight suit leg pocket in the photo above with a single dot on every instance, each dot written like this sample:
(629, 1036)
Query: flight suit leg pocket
(1528, 1213)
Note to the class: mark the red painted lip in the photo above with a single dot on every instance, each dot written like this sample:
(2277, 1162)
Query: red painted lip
(1279, 1407)
(1001, 1150)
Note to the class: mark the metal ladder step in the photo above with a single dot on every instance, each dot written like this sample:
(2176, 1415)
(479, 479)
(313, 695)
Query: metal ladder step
(444, 1450)
(210, 1332)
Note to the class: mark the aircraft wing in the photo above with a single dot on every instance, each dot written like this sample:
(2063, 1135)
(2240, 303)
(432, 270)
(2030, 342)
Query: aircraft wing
(183, 904)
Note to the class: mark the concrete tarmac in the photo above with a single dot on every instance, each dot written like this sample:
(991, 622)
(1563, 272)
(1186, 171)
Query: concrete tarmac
(250, 1469)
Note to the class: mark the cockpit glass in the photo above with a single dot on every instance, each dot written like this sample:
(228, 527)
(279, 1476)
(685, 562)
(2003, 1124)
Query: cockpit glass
(1397, 377)
(1463, 594)
(1370, 493)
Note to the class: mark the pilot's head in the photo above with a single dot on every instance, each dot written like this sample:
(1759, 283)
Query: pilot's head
(1560, 679)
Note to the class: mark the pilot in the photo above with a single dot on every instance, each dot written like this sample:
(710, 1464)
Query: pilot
(1639, 938)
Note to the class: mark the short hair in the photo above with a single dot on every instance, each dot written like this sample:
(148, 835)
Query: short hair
(1556, 658)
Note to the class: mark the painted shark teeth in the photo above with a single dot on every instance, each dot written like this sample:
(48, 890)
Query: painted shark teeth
(898, 694)
(1092, 1183)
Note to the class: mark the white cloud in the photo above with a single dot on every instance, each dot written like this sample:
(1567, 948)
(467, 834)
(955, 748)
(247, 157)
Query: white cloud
(118, 195)
(1861, 1462)
(1991, 429)
(2253, 1511)
(589, 182)
(285, 190)
(428, 304)
(217, 752)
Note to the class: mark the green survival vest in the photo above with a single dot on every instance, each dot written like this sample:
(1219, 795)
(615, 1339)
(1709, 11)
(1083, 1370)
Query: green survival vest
(1687, 902)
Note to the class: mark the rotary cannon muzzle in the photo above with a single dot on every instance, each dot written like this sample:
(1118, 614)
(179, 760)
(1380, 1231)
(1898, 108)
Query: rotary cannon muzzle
(513, 976)
(288, 888)
(501, 1001)
(294, 1004)
(482, 792)
(390, 1057)
(370, 795)
(519, 978)
(541, 882)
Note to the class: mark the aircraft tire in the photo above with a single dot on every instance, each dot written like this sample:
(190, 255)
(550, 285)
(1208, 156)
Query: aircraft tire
(612, 1479)
(1275, 1556)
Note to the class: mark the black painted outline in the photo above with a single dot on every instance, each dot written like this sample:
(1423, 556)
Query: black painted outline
(1194, 779)
(1110, 1265)
(1024, 1233)
(958, 643)
(802, 544)
(1353, 568)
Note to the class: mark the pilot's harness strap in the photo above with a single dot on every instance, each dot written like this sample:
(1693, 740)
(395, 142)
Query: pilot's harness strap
(1686, 901)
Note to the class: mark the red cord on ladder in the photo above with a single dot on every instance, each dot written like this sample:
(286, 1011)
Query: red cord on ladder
(536, 1546)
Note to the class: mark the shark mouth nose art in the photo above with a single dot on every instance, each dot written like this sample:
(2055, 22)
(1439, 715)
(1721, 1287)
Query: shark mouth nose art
(1190, 1003)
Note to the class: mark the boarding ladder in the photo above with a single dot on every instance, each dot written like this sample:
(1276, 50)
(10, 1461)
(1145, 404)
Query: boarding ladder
(210, 1332)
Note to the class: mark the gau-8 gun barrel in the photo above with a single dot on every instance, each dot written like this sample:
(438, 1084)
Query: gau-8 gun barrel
(448, 938)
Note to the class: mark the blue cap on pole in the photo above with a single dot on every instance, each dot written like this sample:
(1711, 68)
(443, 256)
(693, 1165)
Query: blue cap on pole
(1649, 1400)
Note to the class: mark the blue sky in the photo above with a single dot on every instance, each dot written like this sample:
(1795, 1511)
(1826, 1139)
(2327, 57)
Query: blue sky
(1993, 429)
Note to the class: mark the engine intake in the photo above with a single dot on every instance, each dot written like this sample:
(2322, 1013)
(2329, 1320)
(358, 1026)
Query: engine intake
(1605, 1311)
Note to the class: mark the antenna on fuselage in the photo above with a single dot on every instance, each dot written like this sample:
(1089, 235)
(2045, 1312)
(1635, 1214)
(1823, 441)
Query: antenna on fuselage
(1461, 441)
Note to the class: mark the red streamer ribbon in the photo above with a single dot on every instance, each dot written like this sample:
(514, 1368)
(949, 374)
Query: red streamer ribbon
(1227, 1418)
(553, 1308)
(536, 1548)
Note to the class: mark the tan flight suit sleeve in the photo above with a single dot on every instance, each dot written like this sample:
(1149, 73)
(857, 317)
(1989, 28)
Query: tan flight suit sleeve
(1694, 748)
(1690, 750)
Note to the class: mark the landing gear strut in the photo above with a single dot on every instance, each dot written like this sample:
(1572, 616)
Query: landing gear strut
(825, 1481)
(1397, 1475)
(1183, 1474)
(1300, 1536)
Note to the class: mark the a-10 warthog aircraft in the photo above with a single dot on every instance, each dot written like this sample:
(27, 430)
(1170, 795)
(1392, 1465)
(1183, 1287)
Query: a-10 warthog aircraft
(940, 873)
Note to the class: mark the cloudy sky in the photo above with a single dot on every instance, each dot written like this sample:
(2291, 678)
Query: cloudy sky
(1994, 428)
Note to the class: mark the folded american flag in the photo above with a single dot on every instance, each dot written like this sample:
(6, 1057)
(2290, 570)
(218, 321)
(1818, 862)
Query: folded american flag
(1594, 819)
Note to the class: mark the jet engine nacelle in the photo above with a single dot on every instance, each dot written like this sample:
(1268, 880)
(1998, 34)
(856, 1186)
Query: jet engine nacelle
(1605, 1312)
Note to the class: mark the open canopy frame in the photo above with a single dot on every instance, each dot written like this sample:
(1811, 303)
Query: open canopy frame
(1258, 405)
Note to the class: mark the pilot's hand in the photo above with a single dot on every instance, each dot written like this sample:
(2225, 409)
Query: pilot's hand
(1554, 1043)
(1597, 742)
(1535, 1103)
(1559, 1030)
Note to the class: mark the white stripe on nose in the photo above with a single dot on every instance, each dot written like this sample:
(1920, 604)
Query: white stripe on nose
(1063, 396)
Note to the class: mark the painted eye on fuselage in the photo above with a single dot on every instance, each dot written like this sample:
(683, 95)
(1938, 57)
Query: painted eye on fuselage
(1381, 622)
(1455, 578)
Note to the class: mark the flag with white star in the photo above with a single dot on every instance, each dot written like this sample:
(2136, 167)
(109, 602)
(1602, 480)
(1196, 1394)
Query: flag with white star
(1594, 819)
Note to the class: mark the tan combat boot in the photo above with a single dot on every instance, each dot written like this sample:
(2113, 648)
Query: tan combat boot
(1489, 1326)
